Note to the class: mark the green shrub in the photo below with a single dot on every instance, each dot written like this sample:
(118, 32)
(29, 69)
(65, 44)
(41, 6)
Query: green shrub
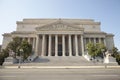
(2, 58)
(118, 58)
(5, 53)
(115, 51)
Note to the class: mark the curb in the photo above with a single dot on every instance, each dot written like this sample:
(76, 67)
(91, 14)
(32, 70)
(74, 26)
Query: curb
(60, 67)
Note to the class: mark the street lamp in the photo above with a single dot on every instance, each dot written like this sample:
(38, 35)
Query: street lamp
(103, 50)
(21, 50)
(103, 54)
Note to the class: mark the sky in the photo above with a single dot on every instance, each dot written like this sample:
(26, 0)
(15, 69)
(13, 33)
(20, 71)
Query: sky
(105, 11)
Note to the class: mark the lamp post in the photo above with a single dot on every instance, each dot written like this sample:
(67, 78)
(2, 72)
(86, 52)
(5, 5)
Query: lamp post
(103, 50)
(21, 50)
(103, 53)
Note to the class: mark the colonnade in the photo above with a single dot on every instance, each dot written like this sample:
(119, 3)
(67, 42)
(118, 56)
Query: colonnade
(94, 40)
(50, 47)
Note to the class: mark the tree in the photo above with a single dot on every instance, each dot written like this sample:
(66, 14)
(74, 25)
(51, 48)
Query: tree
(115, 51)
(1, 59)
(116, 54)
(27, 49)
(91, 49)
(100, 49)
(118, 58)
(3, 54)
(95, 49)
(14, 45)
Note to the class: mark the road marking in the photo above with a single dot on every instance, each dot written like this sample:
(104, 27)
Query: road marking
(8, 76)
(11, 72)
(105, 75)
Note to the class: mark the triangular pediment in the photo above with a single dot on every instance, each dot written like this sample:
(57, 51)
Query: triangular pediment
(58, 26)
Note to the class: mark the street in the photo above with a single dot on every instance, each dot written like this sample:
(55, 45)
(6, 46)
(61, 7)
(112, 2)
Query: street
(59, 74)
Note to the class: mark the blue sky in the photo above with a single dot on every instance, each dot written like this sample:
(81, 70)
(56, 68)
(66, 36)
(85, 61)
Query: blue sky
(105, 11)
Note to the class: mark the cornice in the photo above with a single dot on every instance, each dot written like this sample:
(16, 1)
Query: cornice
(95, 32)
(110, 34)
(72, 21)
(6, 34)
(23, 32)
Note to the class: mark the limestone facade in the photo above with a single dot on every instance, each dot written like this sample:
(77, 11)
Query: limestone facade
(59, 37)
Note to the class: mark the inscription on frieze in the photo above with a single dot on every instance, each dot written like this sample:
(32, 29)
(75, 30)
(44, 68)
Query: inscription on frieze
(59, 26)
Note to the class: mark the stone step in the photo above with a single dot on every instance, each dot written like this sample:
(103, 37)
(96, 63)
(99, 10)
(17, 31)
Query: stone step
(62, 61)
(73, 60)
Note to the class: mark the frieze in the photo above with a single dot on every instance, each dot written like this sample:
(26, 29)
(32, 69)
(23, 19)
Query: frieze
(59, 27)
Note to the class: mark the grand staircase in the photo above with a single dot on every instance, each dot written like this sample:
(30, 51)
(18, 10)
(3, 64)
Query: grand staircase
(61, 61)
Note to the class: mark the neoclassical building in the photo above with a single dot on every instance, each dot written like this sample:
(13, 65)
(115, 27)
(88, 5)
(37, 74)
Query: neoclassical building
(59, 37)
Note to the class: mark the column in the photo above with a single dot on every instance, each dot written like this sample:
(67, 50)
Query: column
(82, 45)
(100, 40)
(33, 44)
(23, 38)
(29, 40)
(89, 40)
(79, 45)
(70, 46)
(37, 45)
(63, 45)
(94, 40)
(85, 43)
(76, 45)
(43, 45)
(104, 42)
(49, 46)
(56, 45)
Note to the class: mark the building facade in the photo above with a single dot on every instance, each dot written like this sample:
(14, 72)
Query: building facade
(59, 37)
